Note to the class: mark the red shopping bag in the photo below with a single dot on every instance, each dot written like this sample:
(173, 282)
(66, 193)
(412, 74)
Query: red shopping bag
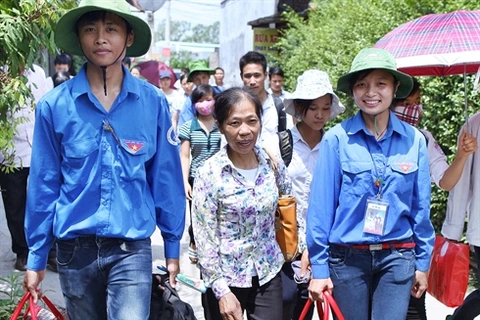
(329, 304)
(33, 310)
(448, 275)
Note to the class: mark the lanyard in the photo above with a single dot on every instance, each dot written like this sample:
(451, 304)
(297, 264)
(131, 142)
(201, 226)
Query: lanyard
(380, 178)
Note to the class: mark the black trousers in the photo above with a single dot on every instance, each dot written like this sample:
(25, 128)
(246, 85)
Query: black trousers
(295, 296)
(14, 194)
(260, 302)
(470, 307)
(190, 228)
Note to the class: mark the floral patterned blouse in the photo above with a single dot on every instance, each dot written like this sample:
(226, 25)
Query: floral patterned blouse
(233, 222)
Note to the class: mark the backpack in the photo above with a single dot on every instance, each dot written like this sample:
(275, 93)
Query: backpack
(165, 304)
(284, 135)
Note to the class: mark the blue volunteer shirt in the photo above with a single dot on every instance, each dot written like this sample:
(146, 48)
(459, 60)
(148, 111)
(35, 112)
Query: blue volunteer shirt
(344, 180)
(113, 174)
(188, 112)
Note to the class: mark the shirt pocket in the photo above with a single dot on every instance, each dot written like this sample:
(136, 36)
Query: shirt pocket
(132, 163)
(357, 177)
(404, 175)
(80, 158)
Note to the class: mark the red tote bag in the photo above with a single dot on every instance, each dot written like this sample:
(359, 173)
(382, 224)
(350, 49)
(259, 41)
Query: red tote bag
(329, 304)
(34, 310)
(448, 275)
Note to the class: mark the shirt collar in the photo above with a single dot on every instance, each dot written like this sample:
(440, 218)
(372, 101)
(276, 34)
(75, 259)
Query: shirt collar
(226, 163)
(196, 125)
(394, 125)
(80, 86)
(296, 136)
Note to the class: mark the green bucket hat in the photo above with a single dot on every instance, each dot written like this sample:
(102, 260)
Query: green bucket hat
(66, 36)
(198, 66)
(376, 58)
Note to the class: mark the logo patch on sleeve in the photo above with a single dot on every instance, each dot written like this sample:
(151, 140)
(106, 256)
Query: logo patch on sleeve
(404, 166)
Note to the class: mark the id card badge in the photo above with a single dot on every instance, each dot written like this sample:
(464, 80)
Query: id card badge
(375, 216)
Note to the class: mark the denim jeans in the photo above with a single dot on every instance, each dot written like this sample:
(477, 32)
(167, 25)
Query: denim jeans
(104, 278)
(372, 285)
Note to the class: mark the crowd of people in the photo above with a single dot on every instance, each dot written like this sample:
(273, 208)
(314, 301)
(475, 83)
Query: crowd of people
(110, 157)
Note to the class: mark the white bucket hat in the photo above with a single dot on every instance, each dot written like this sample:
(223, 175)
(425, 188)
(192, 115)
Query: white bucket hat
(313, 84)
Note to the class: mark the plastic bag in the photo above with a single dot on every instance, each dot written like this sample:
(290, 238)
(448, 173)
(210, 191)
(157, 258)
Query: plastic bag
(448, 275)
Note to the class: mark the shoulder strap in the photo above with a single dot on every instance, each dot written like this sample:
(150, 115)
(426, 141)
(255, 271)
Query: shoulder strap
(282, 115)
(285, 141)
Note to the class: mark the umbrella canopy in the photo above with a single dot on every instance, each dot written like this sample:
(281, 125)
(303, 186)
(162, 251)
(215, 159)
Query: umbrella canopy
(436, 44)
(150, 71)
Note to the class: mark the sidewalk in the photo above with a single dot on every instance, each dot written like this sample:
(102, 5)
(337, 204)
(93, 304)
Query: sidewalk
(51, 285)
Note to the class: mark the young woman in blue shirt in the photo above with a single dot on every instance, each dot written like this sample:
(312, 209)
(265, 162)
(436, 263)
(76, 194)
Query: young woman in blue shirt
(369, 235)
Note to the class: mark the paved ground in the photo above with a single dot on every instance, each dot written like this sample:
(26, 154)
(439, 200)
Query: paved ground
(435, 310)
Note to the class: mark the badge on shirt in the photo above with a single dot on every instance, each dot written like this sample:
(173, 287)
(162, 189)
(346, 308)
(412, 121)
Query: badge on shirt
(375, 216)
(133, 146)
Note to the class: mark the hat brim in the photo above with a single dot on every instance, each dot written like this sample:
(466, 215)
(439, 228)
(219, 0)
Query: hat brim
(337, 106)
(404, 89)
(67, 40)
(210, 72)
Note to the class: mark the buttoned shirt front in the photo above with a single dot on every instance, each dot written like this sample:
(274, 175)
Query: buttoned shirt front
(300, 170)
(233, 222)
(113, 174)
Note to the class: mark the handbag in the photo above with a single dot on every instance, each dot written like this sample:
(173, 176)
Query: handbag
(448, 275)
(36, 312)
(330, 305)
(286, 231)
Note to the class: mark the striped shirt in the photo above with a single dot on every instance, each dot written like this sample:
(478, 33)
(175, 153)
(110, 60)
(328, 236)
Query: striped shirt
(202, 145)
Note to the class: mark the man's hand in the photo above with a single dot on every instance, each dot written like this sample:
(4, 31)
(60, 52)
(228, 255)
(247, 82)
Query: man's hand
(467, 144)
(230, 307)
(419, 283)
(317, 286)
(173, 267)
(31, 281)
(305, 263)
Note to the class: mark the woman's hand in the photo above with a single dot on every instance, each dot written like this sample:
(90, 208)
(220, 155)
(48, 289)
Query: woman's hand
(467, 144)
(419, 283)
(305, 263)
(230, 307)
(317, 286)
(188, 191)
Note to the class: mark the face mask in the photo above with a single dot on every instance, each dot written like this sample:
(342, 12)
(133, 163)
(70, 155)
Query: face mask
(410, 114)
(205, 108)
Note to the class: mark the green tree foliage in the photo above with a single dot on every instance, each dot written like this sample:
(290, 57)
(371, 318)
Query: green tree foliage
(336, 30)
(26, 27)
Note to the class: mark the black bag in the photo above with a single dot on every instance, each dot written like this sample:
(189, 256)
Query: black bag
(285, 141)
(165, 303)
(282, 115)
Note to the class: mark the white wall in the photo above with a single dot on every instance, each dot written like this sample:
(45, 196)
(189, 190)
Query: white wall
(236, 36)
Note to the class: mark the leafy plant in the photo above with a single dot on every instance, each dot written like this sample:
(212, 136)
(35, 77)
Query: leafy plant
(11, 293)
(26, 27)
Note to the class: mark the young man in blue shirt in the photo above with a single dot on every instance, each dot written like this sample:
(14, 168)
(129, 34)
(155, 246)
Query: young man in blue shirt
(105, 171)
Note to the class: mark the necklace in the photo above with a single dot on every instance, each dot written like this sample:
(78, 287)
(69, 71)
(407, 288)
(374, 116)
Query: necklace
(382, 133)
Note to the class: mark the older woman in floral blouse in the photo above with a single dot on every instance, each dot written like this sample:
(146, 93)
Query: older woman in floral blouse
(234, 201)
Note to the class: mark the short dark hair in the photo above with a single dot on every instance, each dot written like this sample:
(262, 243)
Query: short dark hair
(218, 68)
(60, 77)
(275, 71)
(97, 15)
(63, 58)
(185, 70)
(200, 92)
(226, 100)
(253, 57)
(127, 61)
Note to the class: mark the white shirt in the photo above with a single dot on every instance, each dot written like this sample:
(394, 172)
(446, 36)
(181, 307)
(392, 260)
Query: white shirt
(285, 94)
(171, 97)
(464, 199)
(269, 120)
(301, 171)
(24, 137)
(436, 157)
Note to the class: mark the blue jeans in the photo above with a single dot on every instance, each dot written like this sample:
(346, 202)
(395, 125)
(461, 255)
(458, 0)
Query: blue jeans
(372, 285)
(104, 278)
